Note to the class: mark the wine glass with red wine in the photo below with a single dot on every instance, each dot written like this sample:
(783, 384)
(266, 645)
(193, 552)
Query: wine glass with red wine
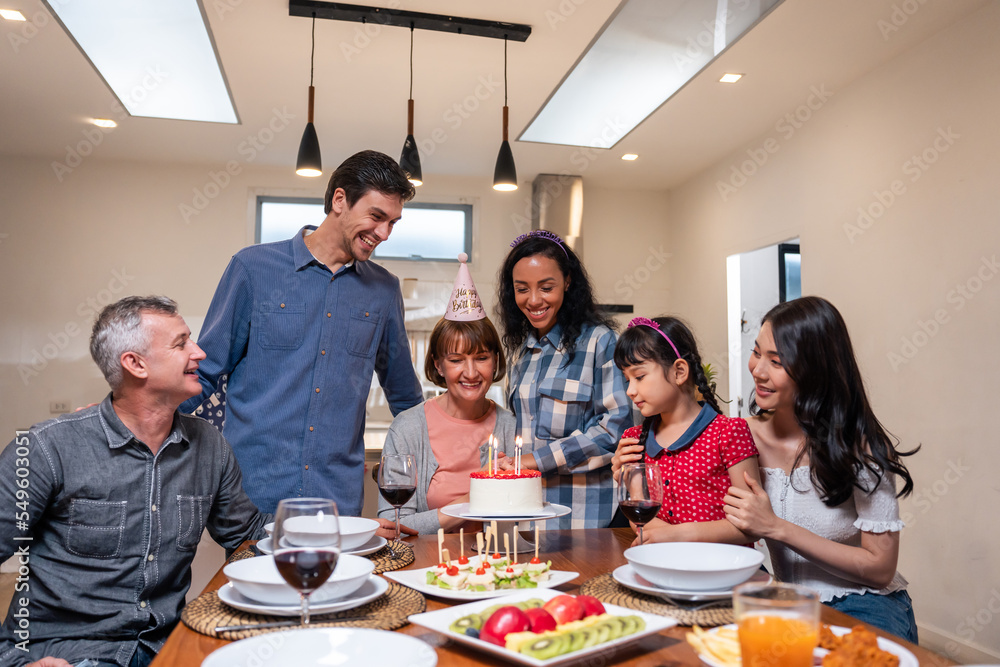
(306, 544)
(397, 482)
(640, 493)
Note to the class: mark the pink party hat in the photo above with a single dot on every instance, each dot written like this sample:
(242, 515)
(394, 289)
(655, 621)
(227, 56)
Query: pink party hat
(464, 305)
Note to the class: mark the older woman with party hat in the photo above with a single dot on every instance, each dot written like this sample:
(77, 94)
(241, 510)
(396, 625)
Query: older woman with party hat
(447, 435)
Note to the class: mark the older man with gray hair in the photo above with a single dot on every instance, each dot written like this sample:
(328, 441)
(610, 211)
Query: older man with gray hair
(104, 508)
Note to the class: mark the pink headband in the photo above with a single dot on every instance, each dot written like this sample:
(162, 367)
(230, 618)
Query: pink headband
(646, 322)
(542, 234)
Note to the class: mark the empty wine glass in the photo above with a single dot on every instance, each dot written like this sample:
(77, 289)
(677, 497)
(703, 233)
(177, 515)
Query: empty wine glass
(306, 544)
(640, 493)
(397, 482)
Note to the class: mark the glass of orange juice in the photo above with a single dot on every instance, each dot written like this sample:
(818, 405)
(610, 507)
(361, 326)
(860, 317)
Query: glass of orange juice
(778, 624)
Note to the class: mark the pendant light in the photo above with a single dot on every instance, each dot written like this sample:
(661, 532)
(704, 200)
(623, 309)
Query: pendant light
(410, 159)
(505, 175)
(309, 162)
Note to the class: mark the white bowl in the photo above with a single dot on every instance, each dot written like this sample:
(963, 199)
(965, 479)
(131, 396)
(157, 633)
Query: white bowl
(355, 531)
(258, 579)
(694, 566)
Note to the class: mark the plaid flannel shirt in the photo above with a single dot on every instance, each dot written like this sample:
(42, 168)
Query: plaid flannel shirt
(571, 412)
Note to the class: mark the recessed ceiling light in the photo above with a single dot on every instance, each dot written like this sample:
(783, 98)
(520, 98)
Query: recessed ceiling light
(159, 58)
(12, 15)
(630, 156)
(103, 122)
(730, 78)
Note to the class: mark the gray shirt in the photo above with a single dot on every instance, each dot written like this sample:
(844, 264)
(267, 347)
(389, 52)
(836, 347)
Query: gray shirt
(105, 531)
(408, 435)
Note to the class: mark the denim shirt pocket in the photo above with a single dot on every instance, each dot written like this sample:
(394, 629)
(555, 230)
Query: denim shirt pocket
(562, 407)
(96, 528)
(281, 326)
(192, 515)
(362, 332)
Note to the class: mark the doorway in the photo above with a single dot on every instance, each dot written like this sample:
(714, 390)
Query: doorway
(757, 281)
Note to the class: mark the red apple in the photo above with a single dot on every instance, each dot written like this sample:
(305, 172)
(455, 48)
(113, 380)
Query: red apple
(502, 622)
(591, 605)
(564, 608)
(541, 620)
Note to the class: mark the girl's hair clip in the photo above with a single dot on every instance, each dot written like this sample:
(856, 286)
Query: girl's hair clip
(646, 322)
(542, 234)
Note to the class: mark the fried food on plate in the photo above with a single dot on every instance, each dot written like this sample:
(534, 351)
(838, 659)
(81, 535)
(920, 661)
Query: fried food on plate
(857, 648)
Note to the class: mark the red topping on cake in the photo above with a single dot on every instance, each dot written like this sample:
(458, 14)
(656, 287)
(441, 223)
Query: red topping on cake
(453, 570)
(505, 474)
(535, 560)
(462, 560)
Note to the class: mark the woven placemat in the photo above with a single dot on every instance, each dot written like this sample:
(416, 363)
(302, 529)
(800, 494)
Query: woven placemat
(388, 612)
(606, 589)
(384, 562)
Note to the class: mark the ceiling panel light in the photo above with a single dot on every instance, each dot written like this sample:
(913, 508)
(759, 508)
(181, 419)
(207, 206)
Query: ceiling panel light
(103, 122)
(630, 157)
(730, 78)
(644, 54)
(12, 15)
(157, 57)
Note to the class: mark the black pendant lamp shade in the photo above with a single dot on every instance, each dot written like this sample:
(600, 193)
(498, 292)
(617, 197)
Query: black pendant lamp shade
(309, 162)
(409, 160)
(505, 174)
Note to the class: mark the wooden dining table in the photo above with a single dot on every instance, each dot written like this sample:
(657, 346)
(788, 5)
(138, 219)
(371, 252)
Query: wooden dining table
(590, 552)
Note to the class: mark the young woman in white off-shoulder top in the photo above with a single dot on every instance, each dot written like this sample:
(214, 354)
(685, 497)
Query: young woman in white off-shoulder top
(828, 509)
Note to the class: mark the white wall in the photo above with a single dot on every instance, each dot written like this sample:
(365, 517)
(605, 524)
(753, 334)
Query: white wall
(936, 239)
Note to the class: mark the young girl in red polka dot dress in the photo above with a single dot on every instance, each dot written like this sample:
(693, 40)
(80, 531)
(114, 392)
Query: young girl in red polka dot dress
(700, 452)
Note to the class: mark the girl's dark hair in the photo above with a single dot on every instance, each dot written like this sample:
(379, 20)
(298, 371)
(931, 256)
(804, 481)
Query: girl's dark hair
(643, 343)
(465, 338)
(578, 306)
(831, 406)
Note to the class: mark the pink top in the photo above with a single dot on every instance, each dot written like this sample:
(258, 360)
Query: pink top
(455, 444)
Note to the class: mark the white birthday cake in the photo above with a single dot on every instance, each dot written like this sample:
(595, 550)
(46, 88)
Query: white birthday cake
(506, 493)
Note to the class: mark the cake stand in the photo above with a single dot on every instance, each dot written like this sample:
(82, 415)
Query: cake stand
(507, 523)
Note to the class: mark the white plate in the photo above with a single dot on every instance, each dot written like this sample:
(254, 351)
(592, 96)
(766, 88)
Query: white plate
(373, 588)
(417, 580)
(906, 659)
(321, 647)
(440, 621)
(371, 546)
(549, 511)
(629, 578)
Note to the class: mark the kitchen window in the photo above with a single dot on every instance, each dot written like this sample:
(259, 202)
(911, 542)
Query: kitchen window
(428, 232)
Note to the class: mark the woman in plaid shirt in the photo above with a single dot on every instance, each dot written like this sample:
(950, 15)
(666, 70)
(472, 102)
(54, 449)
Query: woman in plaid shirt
(564, 388)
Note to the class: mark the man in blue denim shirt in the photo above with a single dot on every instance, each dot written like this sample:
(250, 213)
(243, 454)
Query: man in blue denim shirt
(104, 508)
(299, 326)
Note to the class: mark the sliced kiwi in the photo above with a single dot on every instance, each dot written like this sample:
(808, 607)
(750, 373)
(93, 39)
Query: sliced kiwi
(631, 625)
(532, 603)
(603, 630)
(617, 625)
(576, 639)
(546, 647)
(591, 636)
(474, 621)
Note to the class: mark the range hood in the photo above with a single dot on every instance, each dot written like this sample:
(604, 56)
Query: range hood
(557, 207)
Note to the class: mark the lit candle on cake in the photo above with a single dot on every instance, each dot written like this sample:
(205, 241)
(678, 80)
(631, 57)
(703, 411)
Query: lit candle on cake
(518, 443)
